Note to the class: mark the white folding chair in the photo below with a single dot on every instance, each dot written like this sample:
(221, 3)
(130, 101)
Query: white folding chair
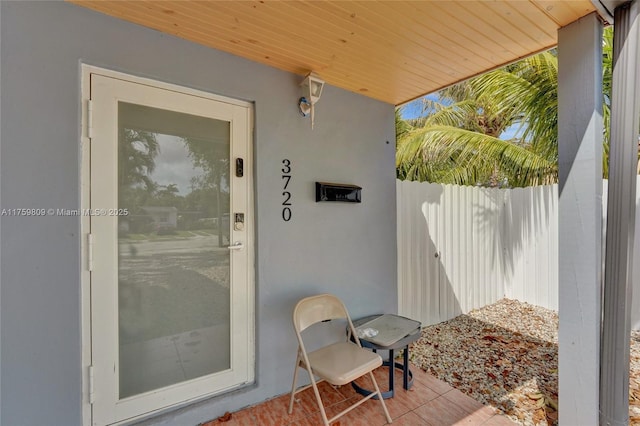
(338, 363)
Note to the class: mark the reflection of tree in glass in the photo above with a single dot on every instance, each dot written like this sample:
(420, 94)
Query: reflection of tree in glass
(209, 190)
(168, 196)
(137, 150)
(200, 198)
(136, 158)
(214, 160)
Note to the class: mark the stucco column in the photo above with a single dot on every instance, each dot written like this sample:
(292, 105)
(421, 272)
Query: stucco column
(580, 218)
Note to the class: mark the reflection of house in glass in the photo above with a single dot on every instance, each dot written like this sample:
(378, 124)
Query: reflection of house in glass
(163, 218)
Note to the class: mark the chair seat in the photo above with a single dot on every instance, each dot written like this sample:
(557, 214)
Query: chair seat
(343, 362)
(339, 363)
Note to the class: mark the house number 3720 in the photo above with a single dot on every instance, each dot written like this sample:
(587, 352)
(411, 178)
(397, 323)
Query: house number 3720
(286, 201)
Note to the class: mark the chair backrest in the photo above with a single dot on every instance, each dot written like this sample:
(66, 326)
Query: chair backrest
(318, 308)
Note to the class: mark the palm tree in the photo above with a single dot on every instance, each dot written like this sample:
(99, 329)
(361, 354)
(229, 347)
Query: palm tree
(458, 139)
(214, 160)
(137, 151)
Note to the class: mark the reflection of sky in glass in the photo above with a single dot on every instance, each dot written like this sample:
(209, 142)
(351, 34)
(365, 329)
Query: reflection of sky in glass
(173, 164)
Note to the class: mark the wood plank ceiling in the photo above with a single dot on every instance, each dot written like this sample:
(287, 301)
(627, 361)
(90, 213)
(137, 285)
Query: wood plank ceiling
(393, 51)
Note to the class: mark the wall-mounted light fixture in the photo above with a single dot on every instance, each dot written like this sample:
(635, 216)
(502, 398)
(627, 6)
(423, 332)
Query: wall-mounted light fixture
(311, 91)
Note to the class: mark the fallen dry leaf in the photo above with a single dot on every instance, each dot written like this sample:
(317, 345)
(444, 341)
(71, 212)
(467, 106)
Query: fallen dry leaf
(528, 352)
(539, 416)
(552, 416)
(226, 417)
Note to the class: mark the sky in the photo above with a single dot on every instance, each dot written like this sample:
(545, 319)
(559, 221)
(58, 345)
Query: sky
(413, 109)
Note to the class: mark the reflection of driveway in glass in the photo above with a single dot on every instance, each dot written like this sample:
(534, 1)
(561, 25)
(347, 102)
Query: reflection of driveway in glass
(168, 287)
(195, 244)
(166, 360)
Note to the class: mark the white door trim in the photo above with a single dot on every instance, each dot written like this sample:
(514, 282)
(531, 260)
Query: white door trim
(85, 144)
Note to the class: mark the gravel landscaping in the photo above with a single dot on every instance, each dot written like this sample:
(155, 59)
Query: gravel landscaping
(506, 355)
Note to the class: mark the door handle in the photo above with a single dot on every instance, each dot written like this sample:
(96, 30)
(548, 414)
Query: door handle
(236, 246)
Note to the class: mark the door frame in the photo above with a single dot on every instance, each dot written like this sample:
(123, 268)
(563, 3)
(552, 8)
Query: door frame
(85, 192)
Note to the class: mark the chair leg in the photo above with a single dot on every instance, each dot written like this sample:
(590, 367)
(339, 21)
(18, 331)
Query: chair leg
(293, 386)
(384, 406)
(319, 400)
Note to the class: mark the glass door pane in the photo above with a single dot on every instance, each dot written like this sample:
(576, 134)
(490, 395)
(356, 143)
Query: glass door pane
(173, 260)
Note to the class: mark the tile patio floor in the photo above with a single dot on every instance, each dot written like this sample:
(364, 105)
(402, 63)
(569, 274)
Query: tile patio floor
(430, 402)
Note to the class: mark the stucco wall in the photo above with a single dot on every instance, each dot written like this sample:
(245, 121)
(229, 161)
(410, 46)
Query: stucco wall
(346, 249)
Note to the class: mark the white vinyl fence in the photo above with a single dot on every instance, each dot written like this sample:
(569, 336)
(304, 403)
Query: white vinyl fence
(461, 248)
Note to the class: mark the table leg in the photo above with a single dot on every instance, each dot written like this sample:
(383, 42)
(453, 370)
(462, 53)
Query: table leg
(405, 370)
(391, 370)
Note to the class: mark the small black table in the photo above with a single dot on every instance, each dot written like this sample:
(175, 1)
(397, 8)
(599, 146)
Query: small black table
(394, 332)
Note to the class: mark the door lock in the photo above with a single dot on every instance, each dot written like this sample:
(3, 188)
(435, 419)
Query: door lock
(238, 222)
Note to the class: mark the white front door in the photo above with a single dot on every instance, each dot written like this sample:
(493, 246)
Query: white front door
(170, 224)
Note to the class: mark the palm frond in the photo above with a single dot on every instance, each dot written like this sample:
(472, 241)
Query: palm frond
(458, 139)
(452, 155)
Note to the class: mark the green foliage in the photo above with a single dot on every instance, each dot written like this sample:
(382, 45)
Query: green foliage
(456, 140)
(607, 74)
(402, 127)
(446, 154)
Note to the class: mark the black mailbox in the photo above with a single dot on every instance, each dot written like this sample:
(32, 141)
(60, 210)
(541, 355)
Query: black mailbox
(338, 192)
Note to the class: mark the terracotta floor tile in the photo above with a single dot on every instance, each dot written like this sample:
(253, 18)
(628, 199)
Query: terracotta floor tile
(381, 373)
(429, 407)
(410, 419)
(239, 418)
(328, 394)
(415, 397)
(312, 420)
(274, 412)
(441, 412)
(475, 418)
(331, 410)
(465, 401)
(428, 380)
(417, 371)
(396, 406)
(347, 391)
(335, 409)
(376, 413)
(365, 382)
(382, 377)
(368, 414)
